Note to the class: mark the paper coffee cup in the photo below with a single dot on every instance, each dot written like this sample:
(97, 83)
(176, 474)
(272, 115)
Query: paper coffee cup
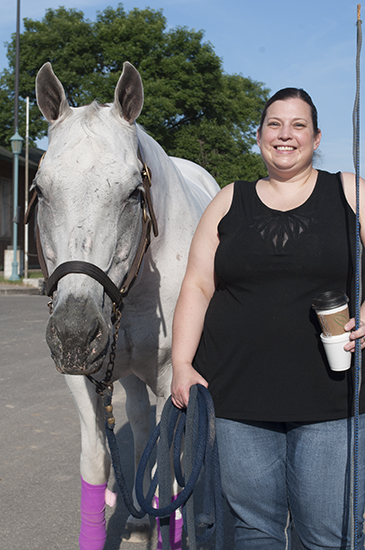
(332, 312)
(338, 358)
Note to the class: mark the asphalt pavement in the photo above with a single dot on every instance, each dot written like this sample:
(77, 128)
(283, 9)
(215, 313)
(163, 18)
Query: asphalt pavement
(40, 442)
(40, 439)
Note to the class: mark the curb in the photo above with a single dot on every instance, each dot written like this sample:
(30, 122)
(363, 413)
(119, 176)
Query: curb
(26, 286)
(15, 289)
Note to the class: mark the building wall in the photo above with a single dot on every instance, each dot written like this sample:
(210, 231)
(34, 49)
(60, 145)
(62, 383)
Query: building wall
(6, 211)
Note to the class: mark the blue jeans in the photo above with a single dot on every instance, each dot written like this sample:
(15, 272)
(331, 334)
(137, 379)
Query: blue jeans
(273, 473)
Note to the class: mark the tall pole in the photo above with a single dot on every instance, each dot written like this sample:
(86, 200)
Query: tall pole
(26, 183)
(16, 102)
(358, 293)
(16, 142)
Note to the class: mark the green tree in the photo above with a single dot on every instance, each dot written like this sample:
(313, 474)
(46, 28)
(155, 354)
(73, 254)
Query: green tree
(192, 108)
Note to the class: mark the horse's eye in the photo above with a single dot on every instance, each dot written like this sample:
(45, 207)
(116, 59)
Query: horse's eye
(35, 188)
(39, 192)
(135, 193)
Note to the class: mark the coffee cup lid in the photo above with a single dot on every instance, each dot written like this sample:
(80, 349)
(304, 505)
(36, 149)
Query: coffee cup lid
(330, 299)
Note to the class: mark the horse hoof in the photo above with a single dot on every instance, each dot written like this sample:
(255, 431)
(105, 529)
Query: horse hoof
(136, 533)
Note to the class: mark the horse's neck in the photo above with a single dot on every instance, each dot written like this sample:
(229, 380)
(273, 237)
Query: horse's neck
(168, 185)
(173, 202)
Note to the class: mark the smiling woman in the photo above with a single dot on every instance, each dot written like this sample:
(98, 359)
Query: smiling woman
(287, 136)
(245, 328)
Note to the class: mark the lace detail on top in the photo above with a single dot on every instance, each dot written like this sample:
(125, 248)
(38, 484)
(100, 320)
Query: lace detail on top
(280, 227)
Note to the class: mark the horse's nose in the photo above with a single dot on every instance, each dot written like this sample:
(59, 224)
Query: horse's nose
(77, 336)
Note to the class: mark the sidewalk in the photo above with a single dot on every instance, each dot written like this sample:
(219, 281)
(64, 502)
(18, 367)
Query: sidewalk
(26, 286)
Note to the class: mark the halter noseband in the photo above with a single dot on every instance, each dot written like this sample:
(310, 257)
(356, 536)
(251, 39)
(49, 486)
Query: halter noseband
(78, 266)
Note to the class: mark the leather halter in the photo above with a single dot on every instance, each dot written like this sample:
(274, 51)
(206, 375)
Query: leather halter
(77, 266)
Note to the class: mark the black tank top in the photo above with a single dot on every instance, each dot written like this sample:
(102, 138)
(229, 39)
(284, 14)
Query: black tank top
(260, 349)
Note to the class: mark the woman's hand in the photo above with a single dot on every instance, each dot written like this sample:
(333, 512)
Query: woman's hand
(184, 376)
(355, 334)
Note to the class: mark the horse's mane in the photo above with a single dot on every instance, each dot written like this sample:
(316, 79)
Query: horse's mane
(147, 142)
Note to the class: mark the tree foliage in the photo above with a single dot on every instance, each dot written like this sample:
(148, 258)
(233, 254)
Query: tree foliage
(192, 108)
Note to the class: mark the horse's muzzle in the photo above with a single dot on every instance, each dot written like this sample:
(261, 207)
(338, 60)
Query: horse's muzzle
(77, 336)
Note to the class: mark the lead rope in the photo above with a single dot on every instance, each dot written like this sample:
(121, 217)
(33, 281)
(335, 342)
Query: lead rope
(358, 287)
(201, 456)
(200, 459)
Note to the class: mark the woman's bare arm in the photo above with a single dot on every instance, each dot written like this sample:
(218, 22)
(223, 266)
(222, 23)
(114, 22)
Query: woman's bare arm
(196, 292)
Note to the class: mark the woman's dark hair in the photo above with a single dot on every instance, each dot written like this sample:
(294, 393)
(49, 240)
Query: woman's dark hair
(289, 93)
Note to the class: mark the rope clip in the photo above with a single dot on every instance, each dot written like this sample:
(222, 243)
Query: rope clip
(105, 390)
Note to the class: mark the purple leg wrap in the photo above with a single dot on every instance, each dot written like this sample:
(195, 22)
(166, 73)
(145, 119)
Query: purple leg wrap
(92, 507)
(176, 525)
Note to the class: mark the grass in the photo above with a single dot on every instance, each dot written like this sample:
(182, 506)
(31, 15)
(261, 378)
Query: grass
(35, 275)
(31, 275)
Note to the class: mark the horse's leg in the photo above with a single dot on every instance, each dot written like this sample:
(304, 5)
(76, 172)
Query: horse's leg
(138, 413)
(94, 463)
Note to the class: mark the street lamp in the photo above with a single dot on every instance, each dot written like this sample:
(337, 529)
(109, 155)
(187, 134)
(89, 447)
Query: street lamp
(16, 146)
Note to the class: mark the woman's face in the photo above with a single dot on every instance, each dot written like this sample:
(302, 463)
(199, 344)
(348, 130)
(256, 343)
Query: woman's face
(287, 140)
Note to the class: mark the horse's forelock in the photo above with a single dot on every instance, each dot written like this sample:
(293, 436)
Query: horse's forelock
(89, 113)
(93, 120)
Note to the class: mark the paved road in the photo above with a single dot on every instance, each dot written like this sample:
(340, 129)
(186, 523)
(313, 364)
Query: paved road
(40, 441)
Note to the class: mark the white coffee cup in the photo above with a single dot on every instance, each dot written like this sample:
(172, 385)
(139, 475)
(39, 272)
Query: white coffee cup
(338, 358)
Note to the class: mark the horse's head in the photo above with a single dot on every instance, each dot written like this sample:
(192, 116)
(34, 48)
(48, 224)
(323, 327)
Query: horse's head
(89, 210)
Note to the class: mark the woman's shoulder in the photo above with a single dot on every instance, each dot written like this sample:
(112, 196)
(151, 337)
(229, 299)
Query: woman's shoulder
(243, 187)
(348, 178)
(349, 188)
(349, 182)
(214, 212)
(225, 197)
(221, 203)
(324, 175)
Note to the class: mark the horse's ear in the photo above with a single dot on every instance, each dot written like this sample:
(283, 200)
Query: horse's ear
(128, 97)
(50, 94)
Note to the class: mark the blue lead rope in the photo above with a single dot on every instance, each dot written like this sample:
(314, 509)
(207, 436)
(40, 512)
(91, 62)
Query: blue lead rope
(200, 455)
(358, 286)
(195, 426)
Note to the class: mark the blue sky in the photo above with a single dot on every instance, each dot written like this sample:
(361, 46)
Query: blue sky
(309, 44)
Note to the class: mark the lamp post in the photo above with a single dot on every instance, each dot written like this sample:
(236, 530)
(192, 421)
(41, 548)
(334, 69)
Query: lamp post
(16, 146)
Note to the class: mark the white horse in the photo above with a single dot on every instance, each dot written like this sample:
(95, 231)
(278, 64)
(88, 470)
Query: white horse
(89, 189)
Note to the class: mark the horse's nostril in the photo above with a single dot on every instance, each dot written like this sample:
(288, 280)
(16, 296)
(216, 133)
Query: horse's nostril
(94, 332)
